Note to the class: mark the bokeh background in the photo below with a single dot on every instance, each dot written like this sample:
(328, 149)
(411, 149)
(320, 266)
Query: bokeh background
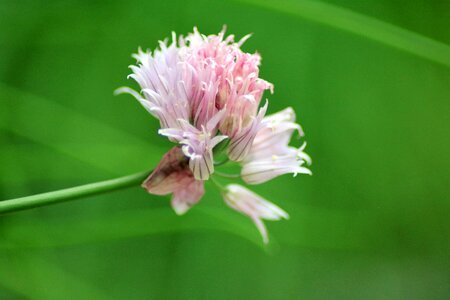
(370, 81)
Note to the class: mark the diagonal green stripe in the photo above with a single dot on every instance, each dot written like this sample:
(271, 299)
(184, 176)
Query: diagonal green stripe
(74, 134)
(361, 25)
(74, 231)
(34, 277)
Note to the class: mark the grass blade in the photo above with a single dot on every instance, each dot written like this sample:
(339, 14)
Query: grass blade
(88, 143)
(75, 231)
(362, 25)
(36, 278)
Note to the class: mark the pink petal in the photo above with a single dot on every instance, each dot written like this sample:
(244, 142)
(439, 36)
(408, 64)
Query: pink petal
(242, 143)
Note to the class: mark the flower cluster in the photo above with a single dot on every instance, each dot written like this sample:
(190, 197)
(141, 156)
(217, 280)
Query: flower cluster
(205, 91)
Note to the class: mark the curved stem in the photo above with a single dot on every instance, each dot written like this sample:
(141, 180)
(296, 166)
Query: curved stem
(59, 196)
(221, 188)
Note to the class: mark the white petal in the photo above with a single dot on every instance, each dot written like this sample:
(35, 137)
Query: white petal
(254, 206)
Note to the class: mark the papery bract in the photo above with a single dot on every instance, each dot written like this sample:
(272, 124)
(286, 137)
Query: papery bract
(173, 176)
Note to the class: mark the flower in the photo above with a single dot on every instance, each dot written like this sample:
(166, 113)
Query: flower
(186, 84)
(205, 90)
(270, 155)
(254, 206)
(197, 141)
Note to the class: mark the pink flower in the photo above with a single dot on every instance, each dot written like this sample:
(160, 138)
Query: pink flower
(271, 155)
(253, 206)
(173, 175)
(204, 90)
(186, 85)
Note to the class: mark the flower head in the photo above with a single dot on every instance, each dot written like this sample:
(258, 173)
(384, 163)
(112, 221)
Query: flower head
(204, 90)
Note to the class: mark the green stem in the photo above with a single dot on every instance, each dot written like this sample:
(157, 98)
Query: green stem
(219, 163)
(226, 175)
(221, 188)
(77, 192)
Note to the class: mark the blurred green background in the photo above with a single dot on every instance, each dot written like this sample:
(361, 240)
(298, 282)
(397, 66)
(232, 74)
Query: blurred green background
(370, 81)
